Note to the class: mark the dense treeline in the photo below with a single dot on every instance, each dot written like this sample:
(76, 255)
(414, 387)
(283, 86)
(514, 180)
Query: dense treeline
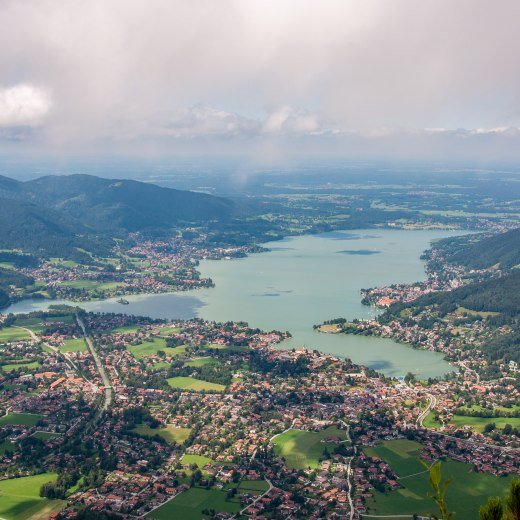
(18, 259)
(495, 295)
(260, 363)
(9, 278)
(476, 252)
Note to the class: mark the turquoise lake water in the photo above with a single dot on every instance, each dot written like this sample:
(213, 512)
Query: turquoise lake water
(299, 282)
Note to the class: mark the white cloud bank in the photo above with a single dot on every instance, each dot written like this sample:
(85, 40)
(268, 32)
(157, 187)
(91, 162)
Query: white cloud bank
(23, 105)
(334, 72)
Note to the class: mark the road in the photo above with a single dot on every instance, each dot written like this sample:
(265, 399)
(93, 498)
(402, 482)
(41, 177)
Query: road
(56, 350)
(470, 370)
(101, 369)
(349, 469)
(431, 405)
(256, 499)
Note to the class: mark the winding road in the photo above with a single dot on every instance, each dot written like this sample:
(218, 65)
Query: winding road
(431, 405)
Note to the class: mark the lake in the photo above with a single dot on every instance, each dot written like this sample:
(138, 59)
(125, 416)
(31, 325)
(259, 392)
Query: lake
(300, 282)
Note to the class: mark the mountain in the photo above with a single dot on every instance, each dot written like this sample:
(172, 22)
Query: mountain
(499, 294)
(45, 232)
(502, 250)
(65, 216)
(126, 205)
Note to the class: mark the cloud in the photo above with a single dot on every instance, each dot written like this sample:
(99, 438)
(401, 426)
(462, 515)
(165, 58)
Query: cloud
(287, 120)
(339, 74)
(204, 120)
(23, 105)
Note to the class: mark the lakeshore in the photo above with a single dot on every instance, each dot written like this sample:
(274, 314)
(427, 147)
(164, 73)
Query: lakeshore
(299, 282)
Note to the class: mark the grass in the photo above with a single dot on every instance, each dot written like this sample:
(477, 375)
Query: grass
(227, 348)
(16, 366)
(20, 498)
(467, 492)
(74, 345)
(190, 383)
(150, 348)
(126, 329)
(45, 436)
(92, 285)
(7, 446)
(20, 419)
(195, 459)
(255, 487)
(430, 422)
(484, 314)
(168, 331)
(38, 324)
(170, 434)
(190, 504)
(200, 361)
(9, 334)
(303, 449)
(478, 424)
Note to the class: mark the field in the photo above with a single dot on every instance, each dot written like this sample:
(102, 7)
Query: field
(25, 419)
(150, 348)
(38, 324)
(8, 334)
(195, 459)
(303, 449)
(20, 498)
(227, 348)
(74, 345)
(127, 329)
(256, 487)
(199, 362)
(479, 423)
(169, 434)
(190, 383)
(44, 436)
(168, 331)
(92, 285)
(467, 492)
(190, 504)
(16, 366)
(7, 446)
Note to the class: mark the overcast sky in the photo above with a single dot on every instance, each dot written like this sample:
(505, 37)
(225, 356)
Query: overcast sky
(356, 77)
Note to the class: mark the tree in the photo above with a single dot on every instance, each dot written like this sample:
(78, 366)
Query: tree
(493, 510)
(513, 500)
(439, 490)
(489, 427)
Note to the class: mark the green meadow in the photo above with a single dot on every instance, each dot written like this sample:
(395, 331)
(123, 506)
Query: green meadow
(20, 498)
(74, 345)
(151, 348)
(191, 383)
(200, 361)
(45, 436)
(170, 434)
(467, 492)
(20, 419)
(15, 366)
(9, 334)
(7, 446)
(303, 449)
(190, 504)
(479, 423)
(190, 459)
(92, 285)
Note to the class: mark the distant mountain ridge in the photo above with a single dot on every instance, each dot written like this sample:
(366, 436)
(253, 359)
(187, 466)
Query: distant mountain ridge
(63, 215)
(125, 205)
